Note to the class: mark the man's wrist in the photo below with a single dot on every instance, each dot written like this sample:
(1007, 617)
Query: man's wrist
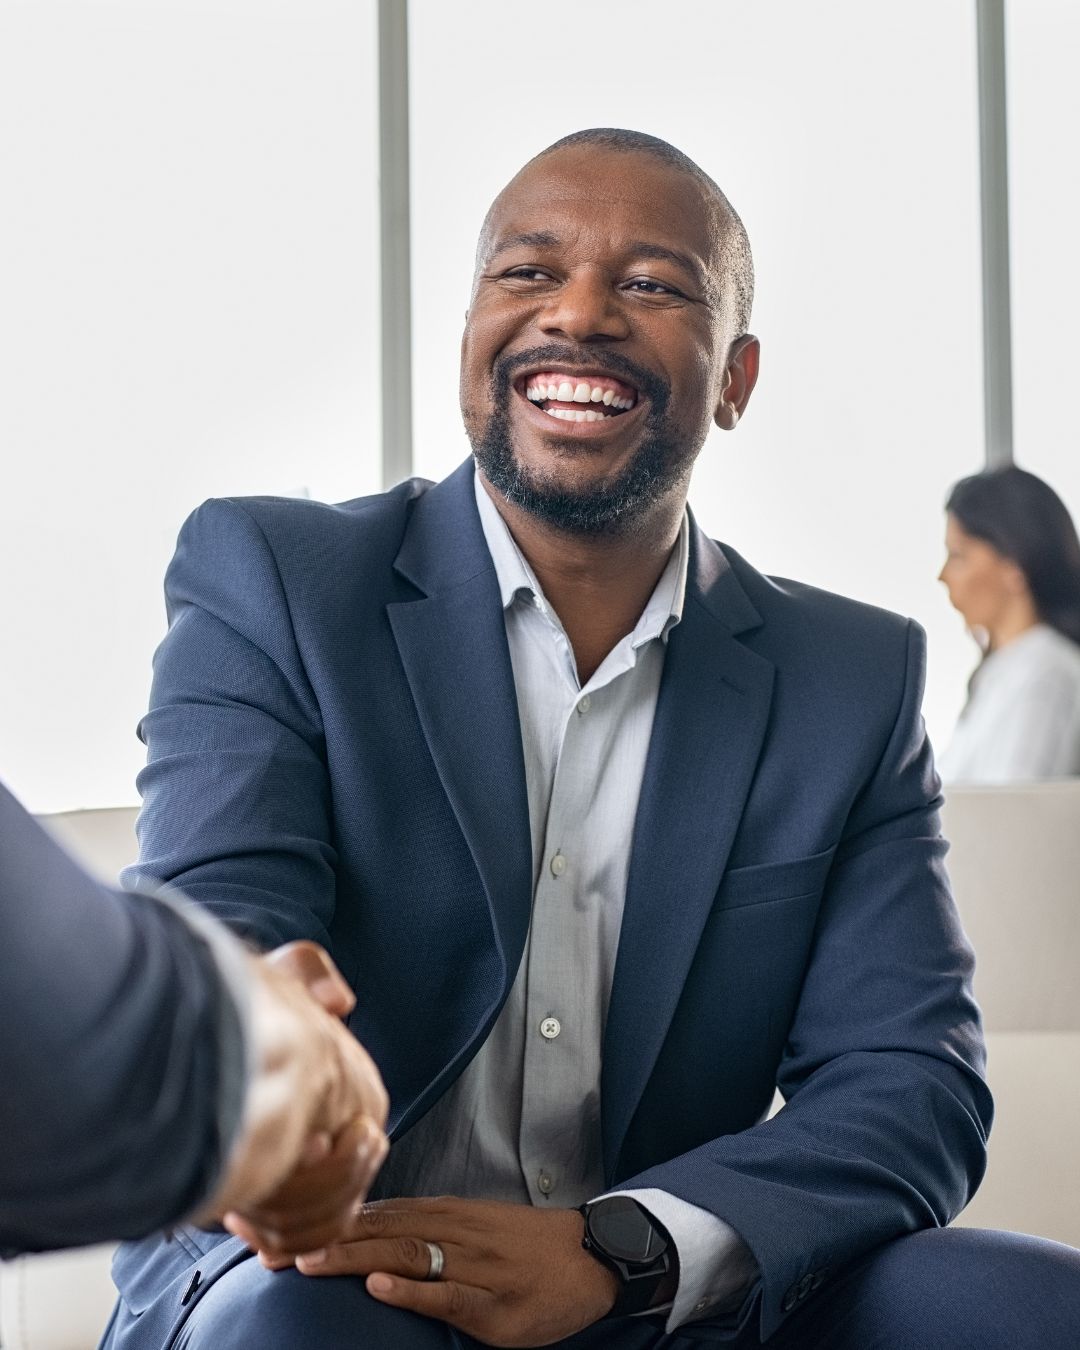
(623, 1236)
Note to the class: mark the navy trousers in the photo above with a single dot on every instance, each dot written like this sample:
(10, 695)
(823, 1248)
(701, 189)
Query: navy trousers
(942, 1289)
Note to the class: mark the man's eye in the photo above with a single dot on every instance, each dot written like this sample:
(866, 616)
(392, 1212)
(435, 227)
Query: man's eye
(647, 286)
(527, 274)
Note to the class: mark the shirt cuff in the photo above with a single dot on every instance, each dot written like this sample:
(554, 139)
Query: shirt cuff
(716, 1267)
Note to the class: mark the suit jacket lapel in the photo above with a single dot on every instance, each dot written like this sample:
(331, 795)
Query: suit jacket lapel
(710, 722)
(452, 643)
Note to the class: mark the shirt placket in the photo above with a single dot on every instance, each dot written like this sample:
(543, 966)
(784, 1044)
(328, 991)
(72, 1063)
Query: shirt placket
(560, 1123)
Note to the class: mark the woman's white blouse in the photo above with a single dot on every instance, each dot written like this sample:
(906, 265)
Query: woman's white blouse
(1022, 719)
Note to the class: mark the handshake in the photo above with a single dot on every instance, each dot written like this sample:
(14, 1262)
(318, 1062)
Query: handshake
(312, 1137)
(106, 1118)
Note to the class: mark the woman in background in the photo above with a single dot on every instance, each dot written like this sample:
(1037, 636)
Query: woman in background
(1013, 572)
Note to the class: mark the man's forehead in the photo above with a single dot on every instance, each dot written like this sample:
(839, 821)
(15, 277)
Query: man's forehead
(582, 186)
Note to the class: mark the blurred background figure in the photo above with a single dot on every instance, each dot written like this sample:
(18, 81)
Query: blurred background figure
(1013, 571)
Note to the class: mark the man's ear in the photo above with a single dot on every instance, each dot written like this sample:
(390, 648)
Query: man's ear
(739, 380)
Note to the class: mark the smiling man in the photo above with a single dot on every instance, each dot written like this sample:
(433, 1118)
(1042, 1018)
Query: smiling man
(611, 834)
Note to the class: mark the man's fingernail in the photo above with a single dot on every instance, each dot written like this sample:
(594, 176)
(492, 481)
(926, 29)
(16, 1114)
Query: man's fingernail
(379, 1284)
(312, 1258)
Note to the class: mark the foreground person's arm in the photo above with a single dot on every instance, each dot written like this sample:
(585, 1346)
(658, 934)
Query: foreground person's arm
(151, 1067)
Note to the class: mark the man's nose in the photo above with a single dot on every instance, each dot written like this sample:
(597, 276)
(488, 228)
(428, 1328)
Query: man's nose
(585, 308)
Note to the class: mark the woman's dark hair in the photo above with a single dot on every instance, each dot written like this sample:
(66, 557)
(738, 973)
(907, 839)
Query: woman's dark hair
(1025, 520)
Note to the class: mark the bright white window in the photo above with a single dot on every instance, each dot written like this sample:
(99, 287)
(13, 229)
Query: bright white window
(1043, 37)
(190, 309)
(191, 304)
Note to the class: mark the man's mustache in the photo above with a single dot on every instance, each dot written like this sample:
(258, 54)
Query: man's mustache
(646, 382)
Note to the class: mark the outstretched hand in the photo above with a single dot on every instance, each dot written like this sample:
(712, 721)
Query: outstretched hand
(312, 1139)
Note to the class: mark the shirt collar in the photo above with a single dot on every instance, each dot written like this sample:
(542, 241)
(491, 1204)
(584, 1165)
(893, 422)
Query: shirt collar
(518, 581)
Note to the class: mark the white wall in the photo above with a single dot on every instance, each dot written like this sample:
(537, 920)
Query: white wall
(848, 142)
(190, 308)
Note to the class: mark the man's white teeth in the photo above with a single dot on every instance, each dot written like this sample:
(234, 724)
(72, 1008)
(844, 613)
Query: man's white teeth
(576, 414)
(580, 393)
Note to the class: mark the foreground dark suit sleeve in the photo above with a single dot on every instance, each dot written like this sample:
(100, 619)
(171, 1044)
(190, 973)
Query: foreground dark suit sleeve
(113, 1015)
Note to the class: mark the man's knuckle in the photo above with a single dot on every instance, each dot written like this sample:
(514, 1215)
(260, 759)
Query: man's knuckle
(375, 1221)
(456, 1300)
(414, 1253)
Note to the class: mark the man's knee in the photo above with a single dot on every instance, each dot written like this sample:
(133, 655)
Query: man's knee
(969, 1289)
(251, 1308)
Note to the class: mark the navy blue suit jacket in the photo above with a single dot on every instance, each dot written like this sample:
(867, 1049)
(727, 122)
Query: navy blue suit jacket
(335, 753)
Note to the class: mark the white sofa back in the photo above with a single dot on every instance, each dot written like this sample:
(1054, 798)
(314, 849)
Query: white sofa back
(1015, 868)
(103, 840)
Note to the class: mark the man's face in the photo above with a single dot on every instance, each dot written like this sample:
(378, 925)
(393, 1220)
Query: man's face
(594, 352)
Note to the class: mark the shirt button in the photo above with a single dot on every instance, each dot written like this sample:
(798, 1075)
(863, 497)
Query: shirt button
(558, 865)
(584, 703)
(545, 1183)
(550, 1028)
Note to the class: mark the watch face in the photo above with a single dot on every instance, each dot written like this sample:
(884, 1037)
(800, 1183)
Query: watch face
(624, 1232)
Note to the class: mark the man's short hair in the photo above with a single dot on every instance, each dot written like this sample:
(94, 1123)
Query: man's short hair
(736, 259)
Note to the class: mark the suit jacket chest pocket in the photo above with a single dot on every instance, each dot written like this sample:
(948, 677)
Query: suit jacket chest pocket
(767, 883)
(737, 1004)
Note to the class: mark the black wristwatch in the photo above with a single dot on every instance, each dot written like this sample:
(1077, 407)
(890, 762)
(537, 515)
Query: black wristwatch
(629, 1241)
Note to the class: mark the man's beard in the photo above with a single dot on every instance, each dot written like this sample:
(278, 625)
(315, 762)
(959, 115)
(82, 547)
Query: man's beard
(615, 506)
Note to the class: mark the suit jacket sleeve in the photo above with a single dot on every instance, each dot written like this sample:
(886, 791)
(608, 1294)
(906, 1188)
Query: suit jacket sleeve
(236, 799)
(122, 1057)
(886, 1116)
